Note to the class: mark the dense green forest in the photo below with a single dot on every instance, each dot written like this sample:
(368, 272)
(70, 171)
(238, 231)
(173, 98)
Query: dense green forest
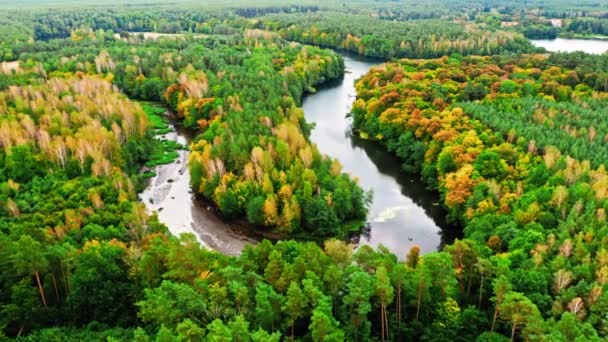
(511, 146)
(376, 28)
(514, 143)
(388, 39)
(253, 158)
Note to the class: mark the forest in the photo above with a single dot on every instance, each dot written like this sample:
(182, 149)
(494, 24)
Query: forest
(262, 167)
(510, 145)
(512, 139)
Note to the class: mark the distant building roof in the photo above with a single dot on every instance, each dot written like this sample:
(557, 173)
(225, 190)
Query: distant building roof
(556, 22)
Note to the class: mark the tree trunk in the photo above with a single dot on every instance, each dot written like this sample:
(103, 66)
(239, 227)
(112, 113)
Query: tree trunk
(55, 286)
(480, 291)
(294, 323)
(513, 331)
(419, 299)
(386, 321)
(65, 279)
(494, 319)
(470, 283)
(399, 308)
(382, 320)
(40, 289)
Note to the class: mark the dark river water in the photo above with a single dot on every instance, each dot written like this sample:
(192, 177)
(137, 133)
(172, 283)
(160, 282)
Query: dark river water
(403, 212)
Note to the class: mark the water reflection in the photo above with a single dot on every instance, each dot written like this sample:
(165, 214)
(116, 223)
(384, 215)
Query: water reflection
(403, 212)
(595, 46)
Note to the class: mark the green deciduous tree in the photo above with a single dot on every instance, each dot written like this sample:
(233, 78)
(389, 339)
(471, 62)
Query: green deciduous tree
(268, 306)
(28, 259)
(323, 325)
(360, 289)
(295, 305)
(385, 292)
(518, 310)
(170, 304)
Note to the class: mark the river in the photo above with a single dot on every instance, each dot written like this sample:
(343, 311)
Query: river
(403, 212)
(169, 194)
(595, 46)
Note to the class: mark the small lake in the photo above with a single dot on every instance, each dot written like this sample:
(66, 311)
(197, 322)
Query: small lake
(403, 213)
(595, 46)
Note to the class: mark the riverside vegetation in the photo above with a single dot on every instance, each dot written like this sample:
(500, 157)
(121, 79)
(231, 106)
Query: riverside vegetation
(513, 143)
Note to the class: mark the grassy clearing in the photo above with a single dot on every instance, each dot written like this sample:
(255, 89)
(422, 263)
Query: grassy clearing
(164, 151)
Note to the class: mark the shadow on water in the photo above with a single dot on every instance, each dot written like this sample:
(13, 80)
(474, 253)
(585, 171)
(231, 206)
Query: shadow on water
(411, 186)
(403, 212)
